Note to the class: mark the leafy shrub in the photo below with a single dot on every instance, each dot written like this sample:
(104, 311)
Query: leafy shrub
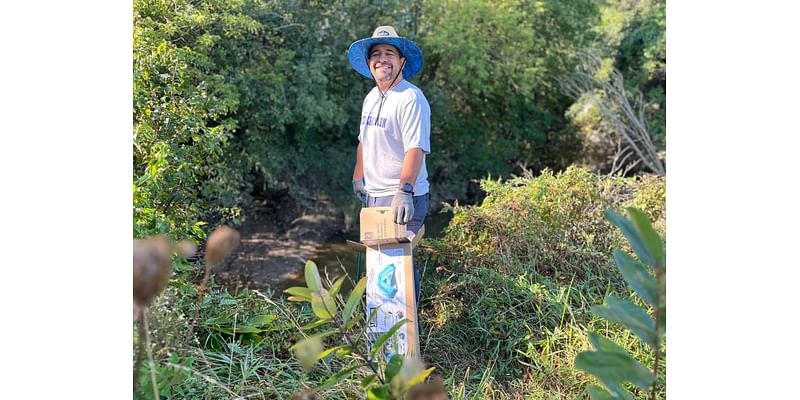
(611, 363)
(385, 379)
(511, 283)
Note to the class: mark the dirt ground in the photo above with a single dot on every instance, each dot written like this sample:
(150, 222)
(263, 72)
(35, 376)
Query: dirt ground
(274, 247)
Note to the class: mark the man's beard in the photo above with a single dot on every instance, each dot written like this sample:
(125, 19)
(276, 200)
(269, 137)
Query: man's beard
(387, 77)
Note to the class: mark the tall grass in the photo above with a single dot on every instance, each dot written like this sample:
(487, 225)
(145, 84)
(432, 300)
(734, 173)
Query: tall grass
(505, 303)
(511, 283)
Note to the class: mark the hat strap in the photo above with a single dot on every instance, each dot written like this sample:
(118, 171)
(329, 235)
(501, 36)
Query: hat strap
(383, 94)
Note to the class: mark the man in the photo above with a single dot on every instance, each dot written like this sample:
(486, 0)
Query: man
(395, 131)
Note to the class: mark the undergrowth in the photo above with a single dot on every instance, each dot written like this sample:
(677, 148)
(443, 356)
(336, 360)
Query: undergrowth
(505, 306)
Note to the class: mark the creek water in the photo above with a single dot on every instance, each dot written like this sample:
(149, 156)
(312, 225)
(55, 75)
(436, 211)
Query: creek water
(336, 257)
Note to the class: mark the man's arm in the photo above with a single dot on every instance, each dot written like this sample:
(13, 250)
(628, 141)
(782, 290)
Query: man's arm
(412, 162)
(358, 171)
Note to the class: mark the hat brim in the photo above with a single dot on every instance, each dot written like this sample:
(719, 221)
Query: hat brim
(357, 54)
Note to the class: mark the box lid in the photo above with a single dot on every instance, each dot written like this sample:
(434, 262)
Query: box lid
(412, 238)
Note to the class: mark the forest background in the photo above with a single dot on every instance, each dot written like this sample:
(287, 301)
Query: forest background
(236, 99)
(72, 61)
(238, 104)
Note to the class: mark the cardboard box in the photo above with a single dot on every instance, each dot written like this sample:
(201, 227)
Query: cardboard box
(390, 290)
(377, 227)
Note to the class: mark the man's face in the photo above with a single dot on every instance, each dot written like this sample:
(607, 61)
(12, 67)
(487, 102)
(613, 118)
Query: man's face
(385, 62)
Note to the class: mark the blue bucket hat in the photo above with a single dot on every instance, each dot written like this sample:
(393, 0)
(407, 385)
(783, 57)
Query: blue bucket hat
(385, 35)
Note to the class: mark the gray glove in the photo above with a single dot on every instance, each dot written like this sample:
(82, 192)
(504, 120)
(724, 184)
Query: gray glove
(402, 207)
(359, 190)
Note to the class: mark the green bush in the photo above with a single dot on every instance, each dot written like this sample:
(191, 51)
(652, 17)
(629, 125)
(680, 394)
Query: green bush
(512, 282)
(610, 363)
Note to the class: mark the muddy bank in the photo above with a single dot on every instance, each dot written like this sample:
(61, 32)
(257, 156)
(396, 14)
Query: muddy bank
(276, 242)
(278, 238)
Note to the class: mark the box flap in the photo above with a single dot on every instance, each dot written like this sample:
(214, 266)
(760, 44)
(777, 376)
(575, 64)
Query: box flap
(414, 239)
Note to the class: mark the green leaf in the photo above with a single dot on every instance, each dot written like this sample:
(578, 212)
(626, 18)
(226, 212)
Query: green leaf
(640, 279)
(245, 329)
(327, 333)
(612, 369)
(393, 367)
(354, 299)
(368, 381)
(419, 378)
(262, 320)
(378, 393)
(337, 285)
(315, 324)
(297, 299)
(345, 350)
(598, 393)
(653, 242)
(299, 292)
(322, 305)
(338, 377)
(635, 240)
(383, 338)
(602, 343)
(313, 281)
(329, 351)
(633, 317)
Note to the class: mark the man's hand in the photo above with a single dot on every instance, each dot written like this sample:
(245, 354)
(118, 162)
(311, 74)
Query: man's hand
(359, 190)
(402, 207)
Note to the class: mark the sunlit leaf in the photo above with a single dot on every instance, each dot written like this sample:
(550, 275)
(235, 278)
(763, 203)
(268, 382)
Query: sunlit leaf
(299, 292)
(633, 317)
(320, 304)
(313, 281)
(337, 285)
(354, 299)
(328, 352)
(345, 350)
(419, 378)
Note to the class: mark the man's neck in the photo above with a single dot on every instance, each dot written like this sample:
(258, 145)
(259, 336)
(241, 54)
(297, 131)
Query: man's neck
(384, 86)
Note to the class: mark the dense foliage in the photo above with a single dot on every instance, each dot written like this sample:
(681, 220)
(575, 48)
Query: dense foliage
(610, 363)
(240, 97)
(505, 307)
(509, 288)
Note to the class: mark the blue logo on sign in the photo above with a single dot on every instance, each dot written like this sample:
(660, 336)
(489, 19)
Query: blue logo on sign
(387, 283)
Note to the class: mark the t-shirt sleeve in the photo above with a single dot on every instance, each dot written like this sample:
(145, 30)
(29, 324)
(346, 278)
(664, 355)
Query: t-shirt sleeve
(361, 120)
(415, 124)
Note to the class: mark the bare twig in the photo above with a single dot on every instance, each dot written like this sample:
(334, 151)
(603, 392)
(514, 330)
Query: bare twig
(612, 100)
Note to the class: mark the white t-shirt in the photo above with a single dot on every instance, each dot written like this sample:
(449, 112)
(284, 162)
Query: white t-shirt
(404, 123)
